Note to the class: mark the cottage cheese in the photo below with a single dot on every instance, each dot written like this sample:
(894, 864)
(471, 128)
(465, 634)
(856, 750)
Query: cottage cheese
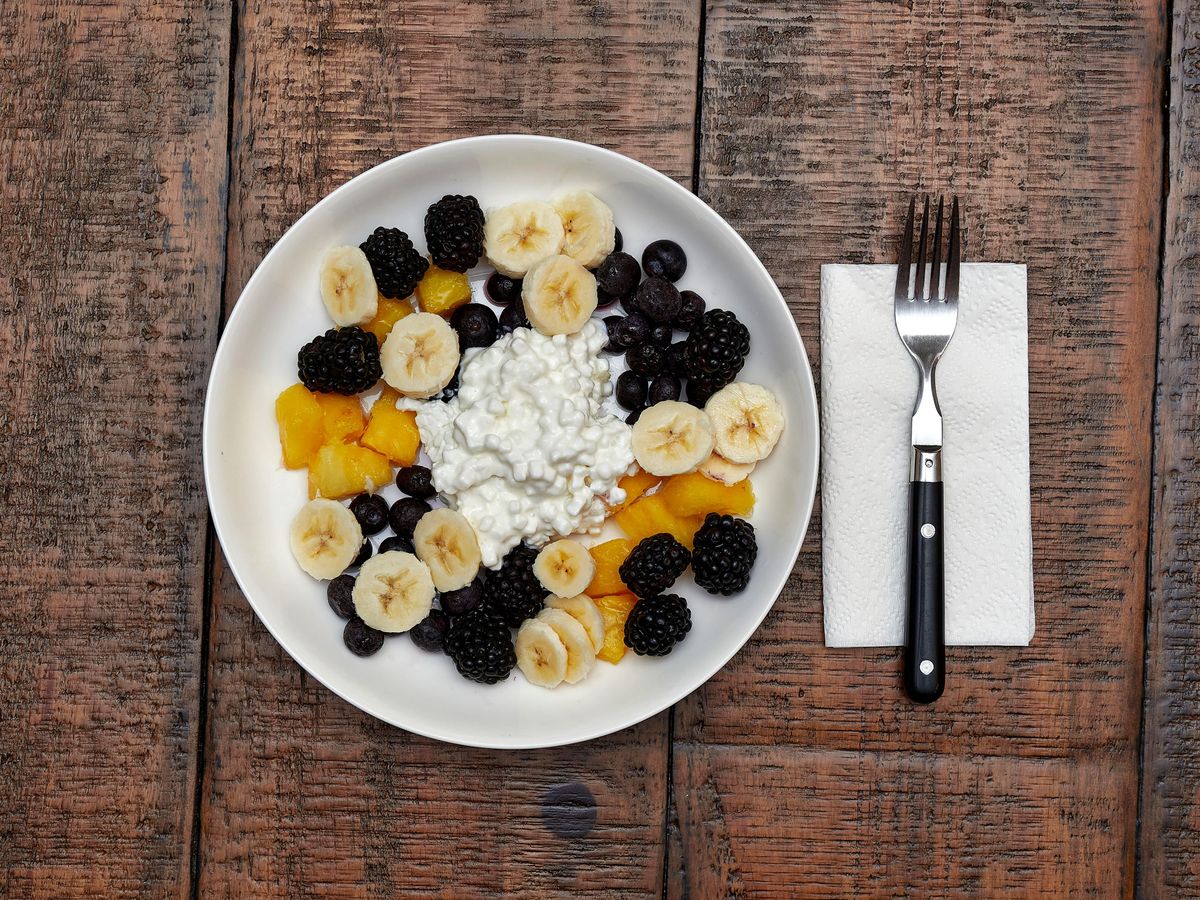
(526, 450)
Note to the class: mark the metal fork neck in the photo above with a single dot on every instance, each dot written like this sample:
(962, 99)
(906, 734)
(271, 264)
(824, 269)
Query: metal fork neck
(926, 464)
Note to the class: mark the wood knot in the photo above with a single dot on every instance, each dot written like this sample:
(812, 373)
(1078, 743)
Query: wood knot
(569, 810)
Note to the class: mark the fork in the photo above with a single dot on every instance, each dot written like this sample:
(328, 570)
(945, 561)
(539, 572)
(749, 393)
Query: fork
(925, 320)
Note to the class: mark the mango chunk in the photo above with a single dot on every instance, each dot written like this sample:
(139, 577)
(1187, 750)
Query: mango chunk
(608, 558)
(344, 470)
(615, 610)
(393, 432)
(441, 291)
(390, 312)
(695, 495)
(301, 425)
(635, 485)
(343, 417)
(650, 515)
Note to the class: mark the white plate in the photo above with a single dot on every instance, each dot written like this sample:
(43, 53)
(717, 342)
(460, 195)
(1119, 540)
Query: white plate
(253, 498)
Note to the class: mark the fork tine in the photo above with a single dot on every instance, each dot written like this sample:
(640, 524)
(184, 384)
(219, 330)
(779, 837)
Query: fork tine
(953, 258)
(904, 264)
(935, 265)
(919, 284)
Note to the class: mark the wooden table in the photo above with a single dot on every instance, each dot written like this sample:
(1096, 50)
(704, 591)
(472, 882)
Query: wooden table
(154, 739)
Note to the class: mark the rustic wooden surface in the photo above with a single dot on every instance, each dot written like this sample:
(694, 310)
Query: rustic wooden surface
(1170, 832)
(155, 741)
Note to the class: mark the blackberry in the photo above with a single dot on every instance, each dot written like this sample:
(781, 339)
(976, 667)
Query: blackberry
(656, 624)
(454, 232)
(340, 361)
(430, 632)
(481, 646)
(690, 310)
(513, 591)
(654, 564)
(724, 553)
(395, 262)
(360, 638)
(716, 348)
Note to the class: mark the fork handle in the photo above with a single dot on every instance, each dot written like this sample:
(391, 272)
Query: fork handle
(924, 630)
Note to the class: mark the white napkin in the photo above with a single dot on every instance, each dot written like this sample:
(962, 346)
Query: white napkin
(868, 386)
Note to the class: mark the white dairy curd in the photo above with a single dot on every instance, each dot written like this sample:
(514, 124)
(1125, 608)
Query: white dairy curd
(526, 450)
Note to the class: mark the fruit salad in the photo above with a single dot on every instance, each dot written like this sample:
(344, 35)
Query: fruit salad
(560, 464)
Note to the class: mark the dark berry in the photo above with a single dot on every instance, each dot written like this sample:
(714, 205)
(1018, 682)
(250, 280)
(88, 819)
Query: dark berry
(675, 359)
(724, 554)
(341, 596)
(476, 325)
(395, 262)
(646, 359)
(716, 348)
(630, 305)
(654, 564)
(340, 361)
(610, 325)
(405, 514)
(698, 392)
(371, 510)
(361, 639)
(660, 335)
(513, 317)
(502, 289)
(481, 646)
(618, 240)
(513, 590)
(691, 308)
(664, 387)
(364, 553)
(396, 542)
(632, 418)
(618, 275)
(631, 390)
(630, 331)
(658, 300)
(450, 391)
(430, 632)
(454, 232)
(656, 624)
(664, 259)
(455, 603)
(416, 481)
(604, 299)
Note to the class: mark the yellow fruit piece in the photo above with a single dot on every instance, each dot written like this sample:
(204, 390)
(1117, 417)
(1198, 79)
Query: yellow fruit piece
(650, 515)
(615, 610)
(301, 425)
(343, 417)
(695, 495)
(608, 558)
(393, 432)
(635, 485)
(442, 292)
(390, 312)
(343, 470)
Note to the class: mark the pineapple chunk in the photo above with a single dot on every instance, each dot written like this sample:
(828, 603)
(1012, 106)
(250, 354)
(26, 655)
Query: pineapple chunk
(634, 486)
(343, 470)
(608, 558)
(393, 432)
(301, 425)
(343, 417)
(615, 610)
(695, 495)
(390, 312)
(442, 292)
(650, 515)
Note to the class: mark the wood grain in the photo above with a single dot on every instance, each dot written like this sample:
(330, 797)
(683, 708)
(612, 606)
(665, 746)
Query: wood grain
(112, 137)
(1170, 831)
(817, 122)
(304, 795)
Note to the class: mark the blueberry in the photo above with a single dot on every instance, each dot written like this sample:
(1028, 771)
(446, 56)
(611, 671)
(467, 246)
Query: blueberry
(604, 299)
(690, 311)
(502, 289)
(664, 259)
(450, 391)
(610, 325)
(675, 359)
(341, 596)
(664, 387)
(646, 359)
(405, 514)
(698, 392)
(658, 300)
(396, 542)
(630, 331)
(371, 510)
(430, 631)
(660, 335)
(464, 599)
(619, 241)
(630, 304)
(618, 275)
(631, 390)
(364, 553)
(476, 325)
(513, 317)
(361, 639)
(632, 418)
(416, 481)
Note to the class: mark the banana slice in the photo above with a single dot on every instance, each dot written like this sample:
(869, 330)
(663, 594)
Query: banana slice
(420, 355)
(581, 655)
(582, 609)
(747, 421)
(325, 538)
(559, 295)
(718, 468)
(446, 542)
(589, 234)
(564, 568)
(348, 286)
(541, 654)
(393, 591)
(671, 438)
(519, 236)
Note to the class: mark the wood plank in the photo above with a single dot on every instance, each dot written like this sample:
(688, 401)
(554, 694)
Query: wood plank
(303, 793)
(113, 139)
(817, 121)
(1170, 839)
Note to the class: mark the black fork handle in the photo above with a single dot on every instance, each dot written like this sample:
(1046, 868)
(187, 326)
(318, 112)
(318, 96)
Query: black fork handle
(925, 623)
